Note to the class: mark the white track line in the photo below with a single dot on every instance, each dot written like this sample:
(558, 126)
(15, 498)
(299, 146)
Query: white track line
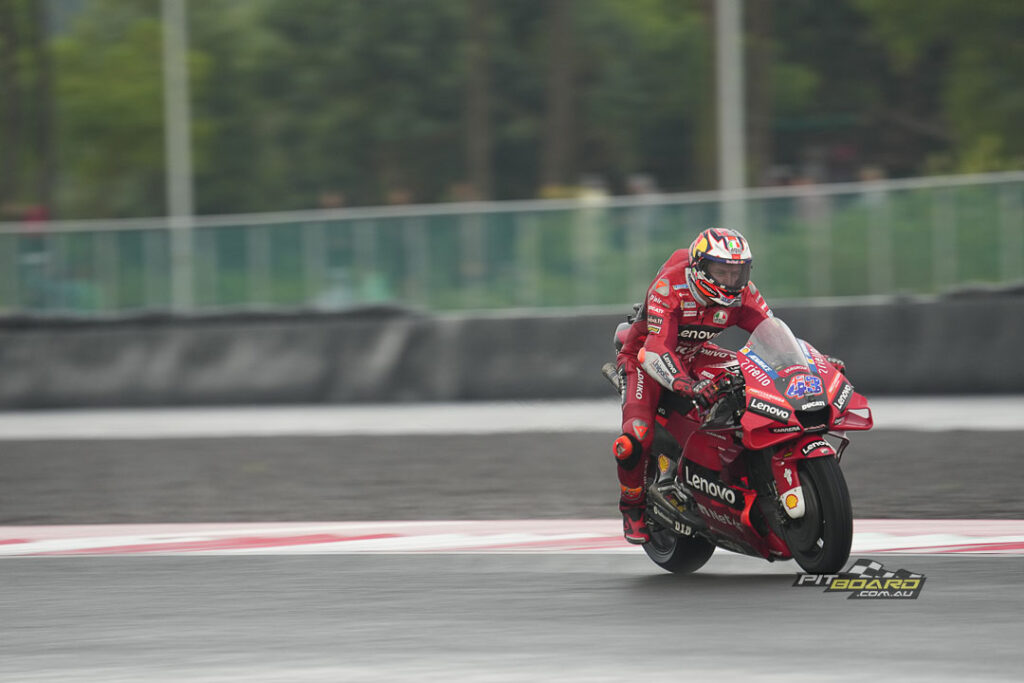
(917, 413)
(1000, 537)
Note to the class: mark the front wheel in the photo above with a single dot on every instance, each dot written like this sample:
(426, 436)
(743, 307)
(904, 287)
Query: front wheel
(820, 540)
(677, 554)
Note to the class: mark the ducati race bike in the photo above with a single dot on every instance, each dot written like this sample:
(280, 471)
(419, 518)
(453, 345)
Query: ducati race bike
(758, 472)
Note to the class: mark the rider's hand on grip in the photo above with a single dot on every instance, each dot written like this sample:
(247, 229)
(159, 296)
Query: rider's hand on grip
(840, 365)
(704, 393)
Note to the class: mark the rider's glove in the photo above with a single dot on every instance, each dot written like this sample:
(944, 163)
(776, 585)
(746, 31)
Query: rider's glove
(840, 365)
(704, 393)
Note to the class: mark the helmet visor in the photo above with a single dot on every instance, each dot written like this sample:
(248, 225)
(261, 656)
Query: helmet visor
(731, 276)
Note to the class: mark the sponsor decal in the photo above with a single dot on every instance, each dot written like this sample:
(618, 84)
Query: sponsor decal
(763, 394)
(669, 363)
(705, 481)
(653, 364)
(689, 304)
(682, 286)
(640, 429)
(804, 385)
(812, 405)
(639, 385)
(769, 410)
(820, 363)
(657, 310)
(788, 474)
(843, 397)
(793, 368)
(792, 500)
(653, 329)
(762, 364)
(689, 314)
(699, 333)
(718, 353)
(720, 517)
(662, 287)
(664, 464)
(707, 374)
(867, 579)
(755, 373)
(656, 300)
(814, 445)
(664, 518)
(720, 317)
(785, 430)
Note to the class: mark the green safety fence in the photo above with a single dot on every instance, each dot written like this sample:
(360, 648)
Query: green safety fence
(922, 235)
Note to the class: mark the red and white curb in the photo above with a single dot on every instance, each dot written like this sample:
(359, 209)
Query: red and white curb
(996, 537)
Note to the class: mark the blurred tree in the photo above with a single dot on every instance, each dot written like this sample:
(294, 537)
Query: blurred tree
(231, 173)
(110, 113)
(478, 101)
(557, 142)
(977, 51)
(362, 98)
(26, 109)
(43, 105)
(759, 63)
(305, 103)
(10, 98)
(644, 75)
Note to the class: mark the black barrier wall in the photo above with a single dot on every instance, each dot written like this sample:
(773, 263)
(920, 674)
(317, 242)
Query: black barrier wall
(966, 344)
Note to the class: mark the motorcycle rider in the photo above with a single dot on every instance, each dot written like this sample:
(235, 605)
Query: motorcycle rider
(696, 294)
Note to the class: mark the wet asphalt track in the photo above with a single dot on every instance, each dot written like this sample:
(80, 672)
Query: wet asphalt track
(478, 617)
(495, 618)
(891, 474)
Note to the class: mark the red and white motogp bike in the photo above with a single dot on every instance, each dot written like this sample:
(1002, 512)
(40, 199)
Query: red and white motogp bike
(758, 472)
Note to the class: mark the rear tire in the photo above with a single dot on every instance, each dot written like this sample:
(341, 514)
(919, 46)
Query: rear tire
(677, 554)
(820, 540)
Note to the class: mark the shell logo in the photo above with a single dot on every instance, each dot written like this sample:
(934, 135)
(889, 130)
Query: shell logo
(663, 464)
(792, 501)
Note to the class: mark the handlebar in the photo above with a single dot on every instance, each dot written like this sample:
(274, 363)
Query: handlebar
(725, 411)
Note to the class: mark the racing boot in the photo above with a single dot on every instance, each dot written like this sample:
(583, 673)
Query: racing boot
(634, 524)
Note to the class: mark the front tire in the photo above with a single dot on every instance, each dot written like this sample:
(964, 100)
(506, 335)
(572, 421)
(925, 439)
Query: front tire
(820, 540)
(674, 553)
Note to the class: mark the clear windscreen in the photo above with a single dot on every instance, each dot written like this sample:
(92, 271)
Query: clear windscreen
(774, 343)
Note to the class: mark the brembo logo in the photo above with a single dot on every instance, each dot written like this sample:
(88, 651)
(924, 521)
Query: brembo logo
(711, 488)
(769, 409)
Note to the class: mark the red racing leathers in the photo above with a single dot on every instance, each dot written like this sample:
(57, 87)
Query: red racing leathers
(666, 347)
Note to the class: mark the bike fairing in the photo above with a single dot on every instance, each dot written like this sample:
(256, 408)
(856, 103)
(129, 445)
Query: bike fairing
(781, 433)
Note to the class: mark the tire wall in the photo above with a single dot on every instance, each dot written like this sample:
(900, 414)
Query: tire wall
(953, 345)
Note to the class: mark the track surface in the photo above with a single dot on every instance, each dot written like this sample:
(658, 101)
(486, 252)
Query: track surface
(495, 618)
(415, 617)
(891, 474)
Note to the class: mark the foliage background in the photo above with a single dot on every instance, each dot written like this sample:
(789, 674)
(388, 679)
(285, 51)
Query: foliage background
(309, 103)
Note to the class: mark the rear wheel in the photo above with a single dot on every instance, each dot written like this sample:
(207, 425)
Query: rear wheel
(677, 554)
(820, 540)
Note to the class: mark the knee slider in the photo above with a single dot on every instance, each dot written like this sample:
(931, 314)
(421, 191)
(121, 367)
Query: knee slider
(627, 451)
